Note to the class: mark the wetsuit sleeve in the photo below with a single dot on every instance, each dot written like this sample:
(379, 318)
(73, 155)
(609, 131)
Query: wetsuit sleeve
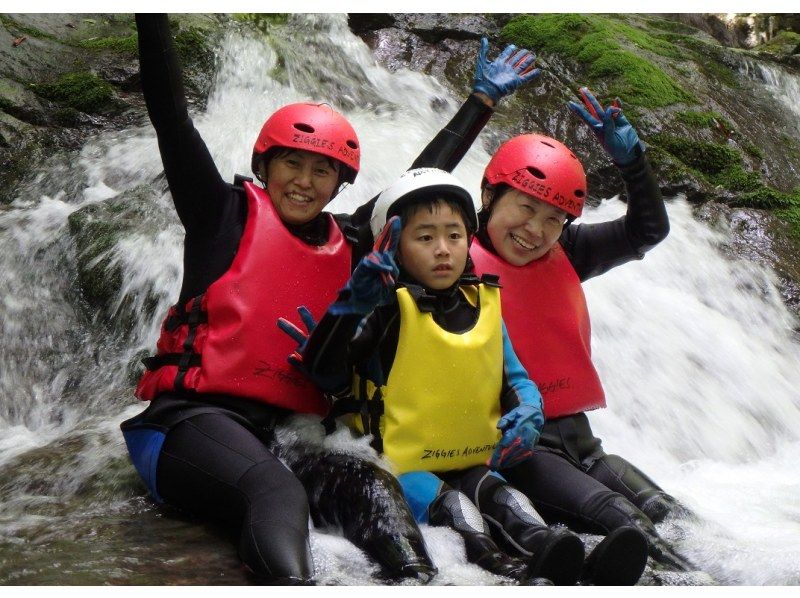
(327, 355)
(444, 151)
(518, 388)
(196, 185)
(596, 248)
(450, 145)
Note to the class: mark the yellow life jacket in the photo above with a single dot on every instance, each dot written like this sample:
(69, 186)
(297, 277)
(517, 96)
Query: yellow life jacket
(439, 407)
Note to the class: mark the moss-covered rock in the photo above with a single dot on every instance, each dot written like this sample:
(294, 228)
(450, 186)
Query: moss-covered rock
(96, 230)
(82, 91)
(611, 50)
(262, 21)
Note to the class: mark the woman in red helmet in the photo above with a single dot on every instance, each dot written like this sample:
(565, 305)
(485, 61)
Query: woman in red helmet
(220, 379)
(533, 188)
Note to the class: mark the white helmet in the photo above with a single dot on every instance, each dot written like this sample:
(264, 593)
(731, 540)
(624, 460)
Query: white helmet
(417, 183)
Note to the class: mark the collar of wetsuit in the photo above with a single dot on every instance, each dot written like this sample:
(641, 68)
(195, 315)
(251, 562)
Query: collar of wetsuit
(430, 300)
(313, 232)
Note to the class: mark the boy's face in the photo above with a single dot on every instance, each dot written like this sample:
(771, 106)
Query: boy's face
(523, 228)
(300, 184)
(433, 246)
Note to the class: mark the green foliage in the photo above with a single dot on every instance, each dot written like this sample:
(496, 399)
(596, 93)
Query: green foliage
(593, 40)
(127, 44)
(82, 91)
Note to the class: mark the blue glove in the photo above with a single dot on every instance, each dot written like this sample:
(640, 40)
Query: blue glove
(372, 282)
(296, 358)
(611, 128)
(520, 427)
(507, 72)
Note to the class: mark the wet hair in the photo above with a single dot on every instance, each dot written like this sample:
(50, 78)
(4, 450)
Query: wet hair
(344, 171)
(433, 201)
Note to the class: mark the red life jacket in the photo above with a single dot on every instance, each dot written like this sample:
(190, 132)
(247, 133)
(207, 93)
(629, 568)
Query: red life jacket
(226, 341)
(545, 312)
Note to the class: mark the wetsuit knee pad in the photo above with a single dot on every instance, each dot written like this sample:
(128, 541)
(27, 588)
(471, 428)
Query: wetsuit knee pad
(144, 447)
(420, 488)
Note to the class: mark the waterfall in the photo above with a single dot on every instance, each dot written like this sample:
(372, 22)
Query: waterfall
(695, 349)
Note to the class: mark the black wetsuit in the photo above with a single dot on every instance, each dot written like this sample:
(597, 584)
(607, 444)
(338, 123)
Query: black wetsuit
(215, 460)
(572, 479)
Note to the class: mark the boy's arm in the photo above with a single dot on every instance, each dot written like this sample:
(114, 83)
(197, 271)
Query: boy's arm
(327, 353)
(196, 185)
(523, 417)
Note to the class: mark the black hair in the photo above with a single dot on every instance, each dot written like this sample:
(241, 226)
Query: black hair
(498, 191)
(431, 201)
(345, 172)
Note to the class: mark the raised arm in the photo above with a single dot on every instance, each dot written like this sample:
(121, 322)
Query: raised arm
(596, 248)
(196, 185)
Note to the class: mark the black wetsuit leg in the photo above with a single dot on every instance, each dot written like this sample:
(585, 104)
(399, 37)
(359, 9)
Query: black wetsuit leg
(619, 475)
(212, 466)
(367, 502)
(563, 493)
(571, 437)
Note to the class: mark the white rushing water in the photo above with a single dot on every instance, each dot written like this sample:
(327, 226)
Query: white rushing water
(695, 349)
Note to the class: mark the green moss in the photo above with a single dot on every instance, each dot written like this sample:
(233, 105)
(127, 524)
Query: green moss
(703, 120)
(767, 198)
(710, 59)
(736, 178)
(593, 40)
(82, 91)
(190, 43)
(127, 44)
(792, 217)
(5, 104)
(707, 158)
(783, 43)
(671, 26)
(262, 21)
(20, 29)
(753, 150)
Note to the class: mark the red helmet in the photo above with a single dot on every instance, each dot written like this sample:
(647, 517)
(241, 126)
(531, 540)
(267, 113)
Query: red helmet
(541, 167)
(314, 128)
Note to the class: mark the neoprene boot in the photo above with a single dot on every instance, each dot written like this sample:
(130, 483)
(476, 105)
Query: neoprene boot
(619, 512)
(454, 510)
(401, 555)
(556, 554)
(618, 560)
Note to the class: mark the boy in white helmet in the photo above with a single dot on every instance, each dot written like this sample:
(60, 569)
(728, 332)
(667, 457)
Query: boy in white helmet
(418, 351)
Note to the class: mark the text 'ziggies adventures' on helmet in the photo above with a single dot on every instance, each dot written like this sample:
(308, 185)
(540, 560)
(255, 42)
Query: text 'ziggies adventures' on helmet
(417, 184)
(314, 128)
(541, 167)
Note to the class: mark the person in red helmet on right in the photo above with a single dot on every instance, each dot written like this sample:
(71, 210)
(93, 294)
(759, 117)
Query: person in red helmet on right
(533, 189)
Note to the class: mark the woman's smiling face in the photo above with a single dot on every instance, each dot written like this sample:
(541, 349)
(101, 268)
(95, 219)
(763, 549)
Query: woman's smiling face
(522, 228)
